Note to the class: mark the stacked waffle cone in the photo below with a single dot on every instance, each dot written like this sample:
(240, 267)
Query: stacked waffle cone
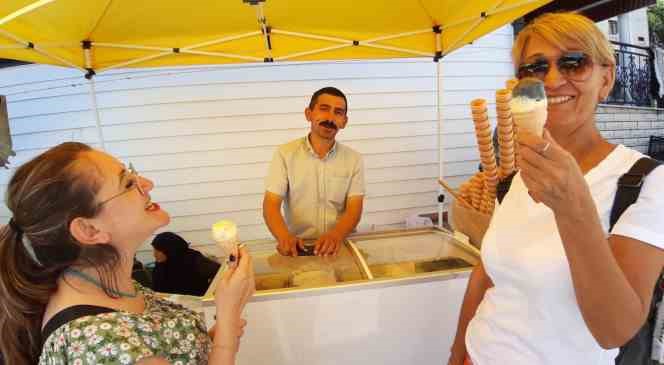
(487, 155)
(509, 85)
(480, 191)
(505, 127)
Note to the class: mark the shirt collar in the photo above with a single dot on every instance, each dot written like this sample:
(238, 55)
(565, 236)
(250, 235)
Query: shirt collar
(310, 148)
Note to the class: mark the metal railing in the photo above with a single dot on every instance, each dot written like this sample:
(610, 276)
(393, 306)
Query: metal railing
(633, 75)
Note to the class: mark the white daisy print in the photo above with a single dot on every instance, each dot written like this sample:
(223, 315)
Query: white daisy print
(108, 350)
(89, 330)
(77, 348)
(91, 357)
(125, 359)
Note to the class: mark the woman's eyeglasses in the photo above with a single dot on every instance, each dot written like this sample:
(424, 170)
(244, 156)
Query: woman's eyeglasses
(133, 182)
(575, 66)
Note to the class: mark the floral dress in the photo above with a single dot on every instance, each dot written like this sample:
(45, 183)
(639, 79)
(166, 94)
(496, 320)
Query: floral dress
(164, 329)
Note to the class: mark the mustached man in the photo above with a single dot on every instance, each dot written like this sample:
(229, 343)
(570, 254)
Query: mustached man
(319, 180)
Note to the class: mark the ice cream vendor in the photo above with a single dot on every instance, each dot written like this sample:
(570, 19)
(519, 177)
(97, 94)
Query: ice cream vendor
(319, 180)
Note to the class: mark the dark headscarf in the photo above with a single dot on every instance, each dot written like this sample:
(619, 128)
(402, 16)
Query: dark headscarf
(186, 271)
(171, 244)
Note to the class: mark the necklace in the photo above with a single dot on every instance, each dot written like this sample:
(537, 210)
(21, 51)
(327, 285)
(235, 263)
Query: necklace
(95, 282)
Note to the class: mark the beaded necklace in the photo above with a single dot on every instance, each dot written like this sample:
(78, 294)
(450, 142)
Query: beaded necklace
(97, 283)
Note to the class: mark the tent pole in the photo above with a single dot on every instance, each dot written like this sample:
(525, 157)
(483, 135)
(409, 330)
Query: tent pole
(38, 49)
(439, 129)
(24, 10)
(439, 114)
(265, 30)
(315, 51)
(396, 49)
(163, 51)
(87, 53)
(95, 110)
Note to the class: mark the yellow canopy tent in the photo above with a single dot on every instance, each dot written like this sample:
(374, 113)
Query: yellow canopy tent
(98, 35)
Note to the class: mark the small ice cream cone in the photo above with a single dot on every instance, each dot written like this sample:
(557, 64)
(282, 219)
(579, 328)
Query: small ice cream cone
(224, 233)
(529, 106)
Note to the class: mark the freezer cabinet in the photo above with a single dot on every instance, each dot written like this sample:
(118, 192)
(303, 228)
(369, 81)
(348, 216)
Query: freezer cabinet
(389, 298)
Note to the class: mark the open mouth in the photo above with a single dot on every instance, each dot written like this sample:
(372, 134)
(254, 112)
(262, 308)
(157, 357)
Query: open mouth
(555, 100)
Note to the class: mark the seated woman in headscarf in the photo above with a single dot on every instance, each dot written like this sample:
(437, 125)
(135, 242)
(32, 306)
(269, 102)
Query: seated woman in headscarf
(180, 269)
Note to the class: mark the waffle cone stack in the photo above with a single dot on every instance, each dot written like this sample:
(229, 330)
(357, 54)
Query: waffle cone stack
(472, 213)
(487, 155)
(479, 192)
(505, 132)
(509, 85)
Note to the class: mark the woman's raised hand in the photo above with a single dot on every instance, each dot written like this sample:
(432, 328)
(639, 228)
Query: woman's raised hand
(233, 292)
(550, 173)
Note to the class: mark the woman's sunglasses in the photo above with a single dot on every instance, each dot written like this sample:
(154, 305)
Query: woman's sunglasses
(575, 66)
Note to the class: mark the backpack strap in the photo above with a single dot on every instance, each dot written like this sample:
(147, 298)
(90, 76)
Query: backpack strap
(629, 187)
(638, 349)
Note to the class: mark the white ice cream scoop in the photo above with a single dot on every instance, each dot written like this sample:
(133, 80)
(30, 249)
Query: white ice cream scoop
(528, 105)
(224, 233)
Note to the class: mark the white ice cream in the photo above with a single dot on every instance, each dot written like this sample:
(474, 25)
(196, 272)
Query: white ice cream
(224, 234)
(529, 114)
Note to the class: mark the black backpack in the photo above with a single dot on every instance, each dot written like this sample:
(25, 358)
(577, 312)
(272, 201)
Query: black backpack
(637, 350)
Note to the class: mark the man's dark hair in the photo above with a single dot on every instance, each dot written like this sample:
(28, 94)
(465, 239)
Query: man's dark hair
(330, 91)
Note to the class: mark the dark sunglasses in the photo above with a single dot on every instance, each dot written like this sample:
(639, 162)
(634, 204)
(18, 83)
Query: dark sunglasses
(575, 66)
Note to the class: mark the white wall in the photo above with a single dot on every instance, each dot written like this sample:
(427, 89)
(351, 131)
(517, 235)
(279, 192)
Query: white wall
(639, 34)
(637, 27)
(205, 135)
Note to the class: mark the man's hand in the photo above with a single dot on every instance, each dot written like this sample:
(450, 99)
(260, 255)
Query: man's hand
(287, 245)
(328, 244)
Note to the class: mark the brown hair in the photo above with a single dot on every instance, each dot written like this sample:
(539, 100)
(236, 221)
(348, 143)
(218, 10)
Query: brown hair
(562, 30)
(44, 196)
(330, 91)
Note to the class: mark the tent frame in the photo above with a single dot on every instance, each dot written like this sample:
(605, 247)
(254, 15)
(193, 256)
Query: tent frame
(266, 31)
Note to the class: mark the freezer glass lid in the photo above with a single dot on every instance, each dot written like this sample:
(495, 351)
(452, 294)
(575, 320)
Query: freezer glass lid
(400, 255)
(274, 271)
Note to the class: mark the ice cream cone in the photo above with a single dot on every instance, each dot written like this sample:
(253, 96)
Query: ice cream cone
(529, 106)
(224, 233)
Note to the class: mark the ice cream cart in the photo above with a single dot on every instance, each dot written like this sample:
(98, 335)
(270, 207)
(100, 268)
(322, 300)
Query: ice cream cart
(387, 298)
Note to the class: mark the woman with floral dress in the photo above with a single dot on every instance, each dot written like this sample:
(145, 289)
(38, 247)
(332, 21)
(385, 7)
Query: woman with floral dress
(66, 293)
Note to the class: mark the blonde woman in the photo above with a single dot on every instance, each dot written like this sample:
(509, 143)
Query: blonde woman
(554, 285)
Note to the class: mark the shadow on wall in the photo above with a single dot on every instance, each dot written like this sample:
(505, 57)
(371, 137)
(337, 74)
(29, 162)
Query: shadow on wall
(5, 135)
(11, 63)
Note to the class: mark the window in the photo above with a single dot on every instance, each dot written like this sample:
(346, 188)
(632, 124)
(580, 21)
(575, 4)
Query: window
(613, 27)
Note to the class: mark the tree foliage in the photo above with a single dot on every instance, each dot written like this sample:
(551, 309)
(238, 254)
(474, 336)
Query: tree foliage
(656, 22)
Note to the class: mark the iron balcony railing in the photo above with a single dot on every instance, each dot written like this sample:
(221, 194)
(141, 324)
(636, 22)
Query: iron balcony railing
(633, 75)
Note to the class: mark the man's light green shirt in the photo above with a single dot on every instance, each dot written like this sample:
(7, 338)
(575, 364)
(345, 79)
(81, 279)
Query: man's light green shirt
(314, 189)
